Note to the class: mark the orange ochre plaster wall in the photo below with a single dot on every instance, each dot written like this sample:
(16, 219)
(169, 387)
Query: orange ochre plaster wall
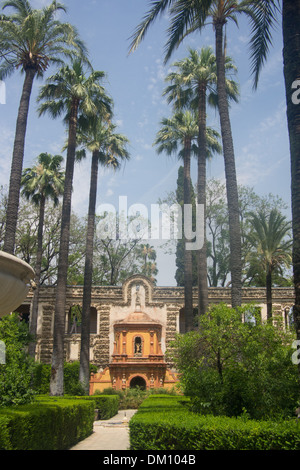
(120, 381)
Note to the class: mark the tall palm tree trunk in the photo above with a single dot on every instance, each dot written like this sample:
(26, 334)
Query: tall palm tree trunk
(188, 266)
(201, 190)
(230, 173)
(269, 293)
(84, 370)
(17, 164)
(291, 58)
(57, 366)
(38, 266)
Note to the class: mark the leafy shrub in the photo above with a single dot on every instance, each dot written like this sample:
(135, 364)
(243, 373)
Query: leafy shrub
(229, 365)
(16, 373)
(166, 423)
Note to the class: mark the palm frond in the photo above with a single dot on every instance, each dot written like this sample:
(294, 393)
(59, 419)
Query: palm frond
(263, 19)
(157, 8)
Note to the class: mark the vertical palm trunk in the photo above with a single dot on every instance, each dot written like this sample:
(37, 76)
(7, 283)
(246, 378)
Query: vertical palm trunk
(38, 266)
(17, 164)
(269, 293)
(188, 263)
(230, 173)
(57, 366)
(84, 370)
(291, 57)
(202, 258)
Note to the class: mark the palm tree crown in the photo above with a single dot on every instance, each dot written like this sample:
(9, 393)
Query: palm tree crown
(272, 245)
(269, 239)
(100, 137)
(71, 87)
(45, 179)
(33, 39)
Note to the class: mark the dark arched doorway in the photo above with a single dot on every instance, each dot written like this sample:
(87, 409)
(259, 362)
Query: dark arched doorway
(138, 382)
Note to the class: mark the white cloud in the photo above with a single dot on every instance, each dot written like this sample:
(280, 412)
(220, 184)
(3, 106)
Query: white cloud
(109, 193)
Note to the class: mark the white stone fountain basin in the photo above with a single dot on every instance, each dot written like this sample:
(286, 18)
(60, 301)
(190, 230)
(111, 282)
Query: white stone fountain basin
(15, 277)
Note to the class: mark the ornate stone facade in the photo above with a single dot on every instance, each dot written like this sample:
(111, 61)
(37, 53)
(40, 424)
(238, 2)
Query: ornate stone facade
(111, 310)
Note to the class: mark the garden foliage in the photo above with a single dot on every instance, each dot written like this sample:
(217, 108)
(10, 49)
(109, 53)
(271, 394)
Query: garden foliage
(167, 423)
(232, 367)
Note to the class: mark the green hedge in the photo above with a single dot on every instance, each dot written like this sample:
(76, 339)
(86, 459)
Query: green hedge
(166, 423)
(107, 405)
(46, 425)
(4, 433)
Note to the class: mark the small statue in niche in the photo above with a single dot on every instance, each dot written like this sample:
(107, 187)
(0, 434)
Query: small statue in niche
(123, 382)
(138, 346)
(137, 298)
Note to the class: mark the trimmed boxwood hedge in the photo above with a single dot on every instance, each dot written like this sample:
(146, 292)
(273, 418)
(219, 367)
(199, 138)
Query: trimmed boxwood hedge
(107, 405)
(166, 423)
(46, 425)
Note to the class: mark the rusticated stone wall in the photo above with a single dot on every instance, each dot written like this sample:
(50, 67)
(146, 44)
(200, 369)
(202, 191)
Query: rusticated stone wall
(112, 303)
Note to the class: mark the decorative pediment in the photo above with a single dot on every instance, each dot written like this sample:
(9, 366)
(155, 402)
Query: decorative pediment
(137, 291)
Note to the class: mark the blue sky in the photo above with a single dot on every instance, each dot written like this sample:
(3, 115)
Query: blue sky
(136, 82)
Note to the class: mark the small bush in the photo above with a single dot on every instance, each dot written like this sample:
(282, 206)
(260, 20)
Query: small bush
(131, 398)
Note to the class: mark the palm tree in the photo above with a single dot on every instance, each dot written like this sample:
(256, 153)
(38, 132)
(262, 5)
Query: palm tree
(194, 79)
(272, 249)
(69, 91)
(148, 255)
(43, 181)
(264, 17)
(30, 40)
(188, 16)
(179, 135)
(107, 148)
(291, 57)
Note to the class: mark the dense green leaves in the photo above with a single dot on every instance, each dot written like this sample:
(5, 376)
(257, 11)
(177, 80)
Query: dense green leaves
(15, 374)
(31, 38)
(235, 362)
